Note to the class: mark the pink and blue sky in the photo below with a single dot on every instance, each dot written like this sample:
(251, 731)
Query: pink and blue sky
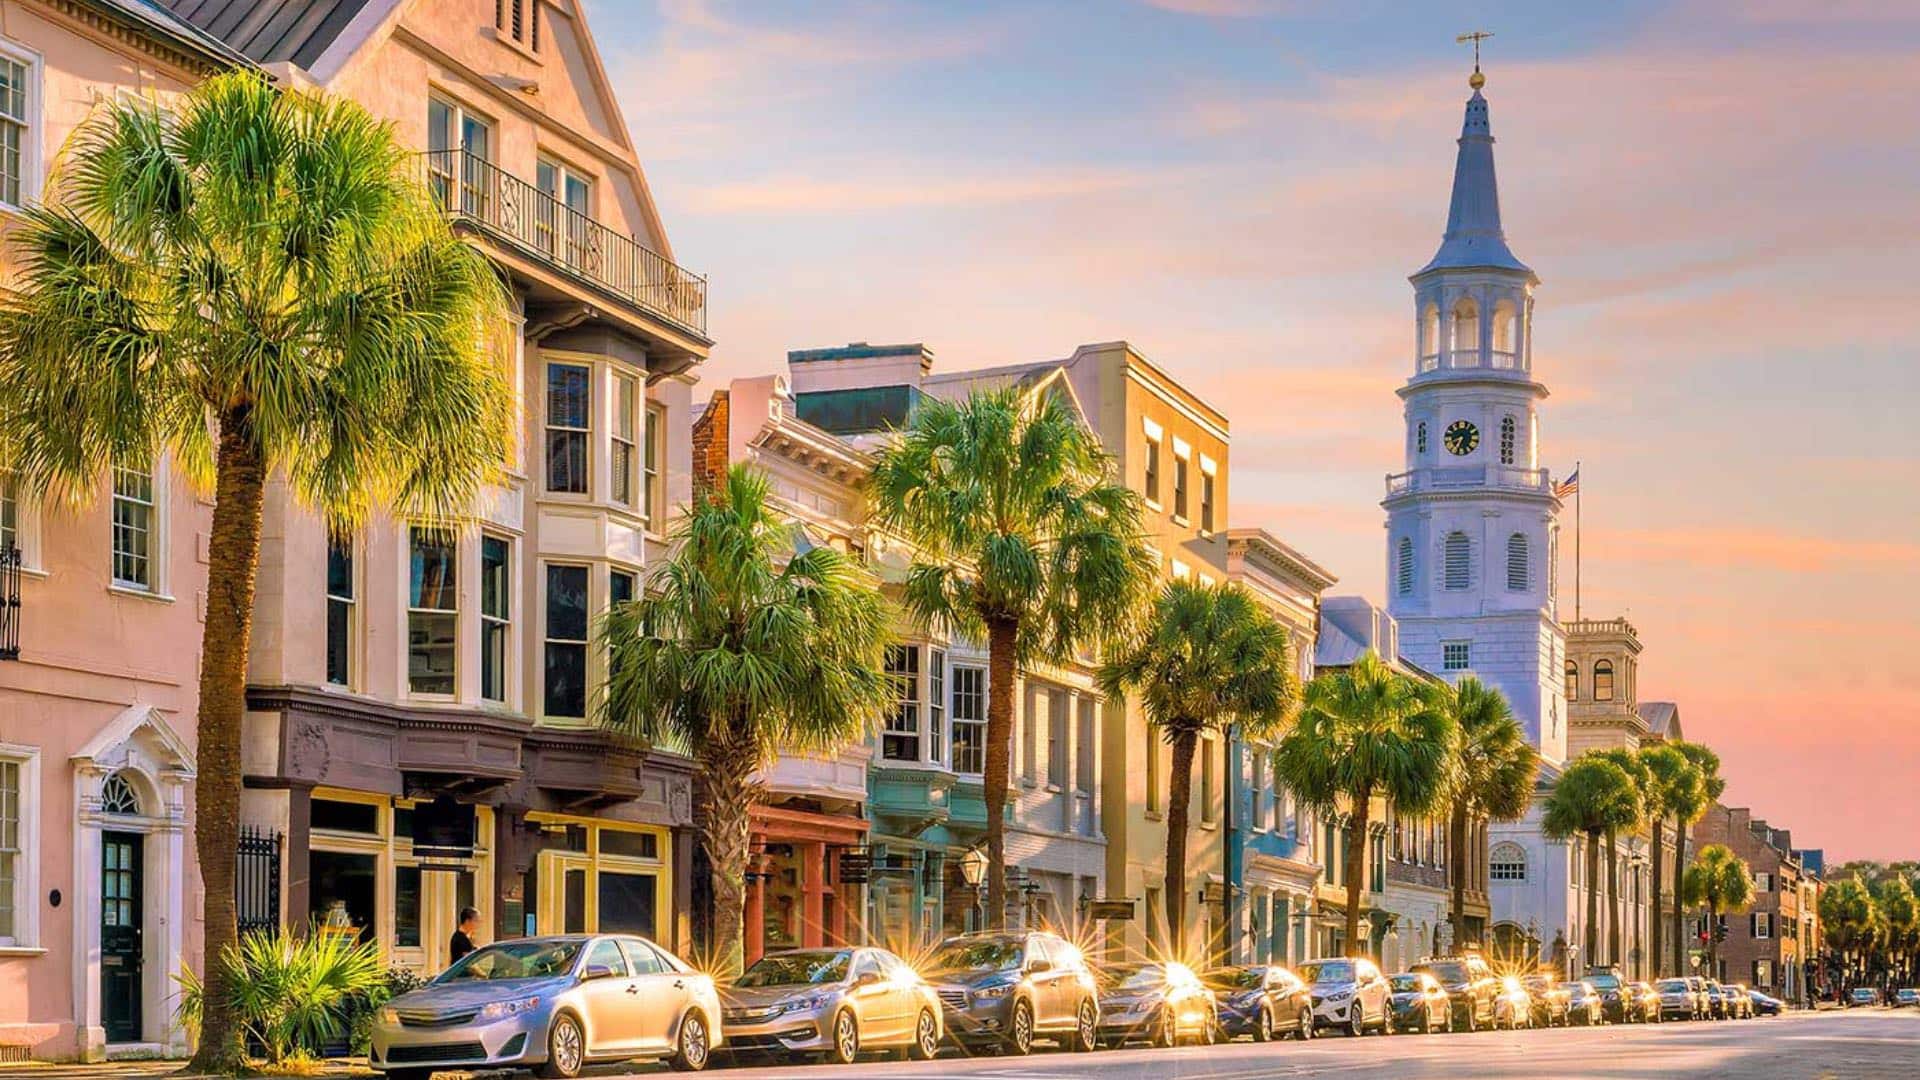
(1720, 199)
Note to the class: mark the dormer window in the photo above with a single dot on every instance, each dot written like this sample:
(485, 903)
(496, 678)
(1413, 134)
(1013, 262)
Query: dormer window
(518, 21)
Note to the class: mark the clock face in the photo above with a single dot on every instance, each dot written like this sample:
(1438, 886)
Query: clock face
(1462, 438)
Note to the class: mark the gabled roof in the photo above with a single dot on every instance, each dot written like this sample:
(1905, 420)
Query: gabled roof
(271, 30)
(1474, 238)
(154, 20)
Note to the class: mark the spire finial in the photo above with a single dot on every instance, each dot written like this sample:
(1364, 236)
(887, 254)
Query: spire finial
(1475, 80)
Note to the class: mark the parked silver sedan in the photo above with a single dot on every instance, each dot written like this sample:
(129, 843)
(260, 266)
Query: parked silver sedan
(553, 1004)
(834, 1003)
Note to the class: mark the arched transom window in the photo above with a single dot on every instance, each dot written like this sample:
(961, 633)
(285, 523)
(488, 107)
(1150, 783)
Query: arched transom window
(1573, 681)
(117, 796)
(1507, 862)
(1603, 680)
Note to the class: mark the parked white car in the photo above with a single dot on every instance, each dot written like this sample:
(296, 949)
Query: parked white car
(1349, 994)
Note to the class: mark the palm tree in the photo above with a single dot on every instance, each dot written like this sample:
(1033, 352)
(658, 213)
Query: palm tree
(1847, 917)
(738, 647)
(1902, 912)
(1719, 881)
(254, 283)
(1024, 540)
(1707, 764)
(1364, 732)
(1592, 798)
(1629, 762)
(1673, 788)
(1494, 767)
(1210, 658)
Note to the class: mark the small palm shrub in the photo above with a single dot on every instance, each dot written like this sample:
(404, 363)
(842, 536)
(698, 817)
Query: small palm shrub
(291, 994)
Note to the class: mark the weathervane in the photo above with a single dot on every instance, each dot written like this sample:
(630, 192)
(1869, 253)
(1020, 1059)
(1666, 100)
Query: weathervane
(1476, 80)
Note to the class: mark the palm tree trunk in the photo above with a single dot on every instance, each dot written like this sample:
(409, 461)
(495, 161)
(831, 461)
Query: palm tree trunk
(1653, 920)
(233, 555)
(1679, 909)
(1613, 901)
(1001, 673)
(728, 768)
(1356, 873)
(1457, 866)
(1593, 898)
(1179, 795)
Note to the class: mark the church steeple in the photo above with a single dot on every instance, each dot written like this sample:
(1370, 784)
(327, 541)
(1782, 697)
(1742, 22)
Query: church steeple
(1474, 238)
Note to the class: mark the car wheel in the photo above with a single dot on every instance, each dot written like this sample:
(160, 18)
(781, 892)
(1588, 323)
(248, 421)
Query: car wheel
(1305, 1034)
(694, 1049)
(846, 1039)
(1263, 1027)
(1166, 1031)
(1020, 1030)
(1086, 1028)
(1356, 1022)
(1473, 1020)
(926, 1037)
(566, 1049)
(1207, 1025)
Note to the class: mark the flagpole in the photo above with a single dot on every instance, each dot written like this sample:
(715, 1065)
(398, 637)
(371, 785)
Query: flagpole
(1576, 546)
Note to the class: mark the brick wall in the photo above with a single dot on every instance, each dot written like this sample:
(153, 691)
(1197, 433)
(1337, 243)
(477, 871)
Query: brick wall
(711, 437)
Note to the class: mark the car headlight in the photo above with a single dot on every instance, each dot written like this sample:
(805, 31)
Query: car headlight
(1246, 1000)
(500, 1010)
(390, 1016)
(999, 991)
(800, 1004)
(1339, 995)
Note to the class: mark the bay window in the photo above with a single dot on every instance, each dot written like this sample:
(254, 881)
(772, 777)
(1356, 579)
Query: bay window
(969, 719)
(566, 642)
(900, 740)
(341, 602)
(569, 405)
(654, 459)
(626, 421)
(433, 611)
(496, 615)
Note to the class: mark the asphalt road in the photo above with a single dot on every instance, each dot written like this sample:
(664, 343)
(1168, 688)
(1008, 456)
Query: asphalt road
(1866, 1043)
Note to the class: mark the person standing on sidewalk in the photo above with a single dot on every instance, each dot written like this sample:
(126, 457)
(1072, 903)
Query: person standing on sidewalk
(462, 941)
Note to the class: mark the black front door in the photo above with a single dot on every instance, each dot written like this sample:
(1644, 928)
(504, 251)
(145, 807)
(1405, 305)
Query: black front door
(120, 935)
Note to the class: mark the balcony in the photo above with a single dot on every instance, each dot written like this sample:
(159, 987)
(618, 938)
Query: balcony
(1464, 477)
(511, 211)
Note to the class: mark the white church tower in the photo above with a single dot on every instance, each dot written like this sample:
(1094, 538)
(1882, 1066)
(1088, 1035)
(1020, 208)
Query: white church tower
(1472, 533)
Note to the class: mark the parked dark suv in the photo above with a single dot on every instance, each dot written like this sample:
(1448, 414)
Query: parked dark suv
(1613, 992)
(1469, 983)
(1007, 989)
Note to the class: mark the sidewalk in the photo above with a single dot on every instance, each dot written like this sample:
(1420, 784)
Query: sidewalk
(331, 1069)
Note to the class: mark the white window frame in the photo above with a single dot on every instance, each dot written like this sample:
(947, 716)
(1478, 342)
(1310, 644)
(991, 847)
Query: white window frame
(1182, 475)
(1209, 487)
(489, 621)
(25, 939)
(1507, 871)
(1403, 566)
(528, 12)
(548, 427)
(32, 118)
(584, 644)
(627, 400)
(653, 461)
(1762, 926)
(1456, 656)
(914, 698)
(974, 717)
(406, 637)
(351, 601)
(156, 506)
(565, 240)
(26, 526)
(1152, 462)
(1449, 564)
(1519, 558)
(939, 679)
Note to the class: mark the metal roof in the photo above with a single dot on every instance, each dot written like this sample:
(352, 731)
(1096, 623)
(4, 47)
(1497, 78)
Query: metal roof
(1474, 238)
(271, 30)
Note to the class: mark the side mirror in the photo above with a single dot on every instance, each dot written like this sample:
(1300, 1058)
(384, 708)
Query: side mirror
(866, 978)
(596, 971)
(1039, 966)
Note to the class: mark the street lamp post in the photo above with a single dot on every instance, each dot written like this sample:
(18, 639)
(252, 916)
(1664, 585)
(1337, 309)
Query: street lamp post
(973, 871)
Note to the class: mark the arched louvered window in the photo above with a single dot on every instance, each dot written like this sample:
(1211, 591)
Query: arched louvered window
(1519, 572)
(1507, 435)
(1603, 680)
(1573, 681)
(118, 797)
(1459, 561)
(1403, 572)
(1420, 438)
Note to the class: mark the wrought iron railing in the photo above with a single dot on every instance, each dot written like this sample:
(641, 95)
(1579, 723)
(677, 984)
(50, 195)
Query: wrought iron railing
(256, 879)
(9, 603)
(1452, 477)
(512, 210)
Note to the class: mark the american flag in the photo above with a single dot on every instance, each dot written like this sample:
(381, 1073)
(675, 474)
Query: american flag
(1568, 486)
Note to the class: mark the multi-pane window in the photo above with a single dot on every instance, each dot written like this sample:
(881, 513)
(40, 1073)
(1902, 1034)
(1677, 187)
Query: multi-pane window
(1458, 553)
(9, 848)
(655, 510)
(1152, 484)
(1507, 862)
(1083, 764)
(969, 719)
(1456, 656)
(1573, 681)
(133, 508)
(1403, 570)
(625, 437)
(621, 587)
(432, 611)
(1762, 927)
(1180, 464)
(1206, 500)
(1057, 740)
(565, 215)
(1519, 563)
(9, 515)
(1603, 680)
(569, 405)
(566, 651)
(340, 606)
(1506, 440)
(936, 703)
(900, 741)
(14, 130)
(459, 180)
(496, 615)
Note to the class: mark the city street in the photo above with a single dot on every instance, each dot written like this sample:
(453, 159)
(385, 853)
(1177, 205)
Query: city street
(1842, 1045)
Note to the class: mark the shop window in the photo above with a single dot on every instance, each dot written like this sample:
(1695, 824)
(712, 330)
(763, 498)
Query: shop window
(406, 907)
(341, 885)
(627, 902)
(496, 611)
(574, 901)
(332, 815)
(432, 612)
(638, 845)
(566, 645)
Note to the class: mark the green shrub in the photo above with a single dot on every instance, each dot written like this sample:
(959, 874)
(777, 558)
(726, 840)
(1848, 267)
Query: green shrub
(290, 994)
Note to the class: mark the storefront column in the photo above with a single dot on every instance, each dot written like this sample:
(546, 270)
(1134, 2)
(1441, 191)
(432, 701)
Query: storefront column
(813, 887)
(685, 840)
(297, 888)
(754, 916)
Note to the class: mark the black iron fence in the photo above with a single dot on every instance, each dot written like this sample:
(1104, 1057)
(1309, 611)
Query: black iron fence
(509, 208)
(256, 879)
(9, 602)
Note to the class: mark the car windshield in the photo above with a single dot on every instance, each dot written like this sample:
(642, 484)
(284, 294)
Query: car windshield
(1133, 976)
(1573, 988)
(797, 969)
(987, 954)
(1404, 983)
(514, 960)
(1236, 978)
(1605, 982)
(1332, 971)
(1673, 985)
(1535, 982)
(1447, 971)
(1863, 994)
